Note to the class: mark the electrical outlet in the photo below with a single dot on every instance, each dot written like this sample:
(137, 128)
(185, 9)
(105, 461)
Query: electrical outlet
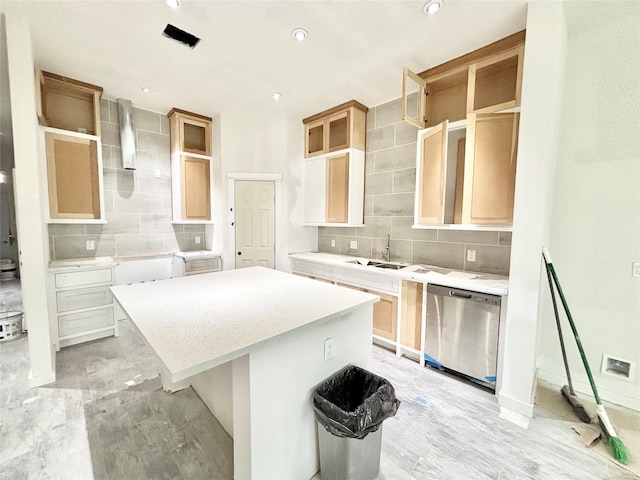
(197, 238)
(329, 349)
(471, 255)
(91, 245)
(636, 269)
(157, 173)
(353, 245)
(333, 242)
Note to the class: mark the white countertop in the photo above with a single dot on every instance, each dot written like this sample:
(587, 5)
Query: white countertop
(479, 282)
(202, 321)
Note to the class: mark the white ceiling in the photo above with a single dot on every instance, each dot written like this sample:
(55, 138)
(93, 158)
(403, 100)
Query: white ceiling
(355, 50)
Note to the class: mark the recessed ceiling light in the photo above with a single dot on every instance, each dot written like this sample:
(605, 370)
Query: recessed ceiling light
(432, 6)
(300, 34)
(146, 90)
(276, 95)
(172, 3)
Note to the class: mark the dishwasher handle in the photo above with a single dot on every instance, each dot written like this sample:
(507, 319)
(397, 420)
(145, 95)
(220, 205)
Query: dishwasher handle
(453, 293)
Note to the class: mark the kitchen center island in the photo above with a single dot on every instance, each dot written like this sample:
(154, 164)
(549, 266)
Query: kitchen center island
(251, 342)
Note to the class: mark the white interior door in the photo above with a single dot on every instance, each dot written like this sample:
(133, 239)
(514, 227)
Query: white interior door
(255, 223)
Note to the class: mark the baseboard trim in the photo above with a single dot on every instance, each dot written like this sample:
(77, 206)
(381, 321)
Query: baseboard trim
(514, 410)
(584, 388)
(41, 380)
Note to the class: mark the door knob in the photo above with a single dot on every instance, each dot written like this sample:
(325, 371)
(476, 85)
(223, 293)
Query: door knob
(239, 253)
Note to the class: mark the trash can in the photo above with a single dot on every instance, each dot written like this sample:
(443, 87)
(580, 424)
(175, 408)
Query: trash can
(350, 407)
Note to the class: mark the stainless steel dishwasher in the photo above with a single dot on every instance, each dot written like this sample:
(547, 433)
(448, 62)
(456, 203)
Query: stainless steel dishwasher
(462, 332)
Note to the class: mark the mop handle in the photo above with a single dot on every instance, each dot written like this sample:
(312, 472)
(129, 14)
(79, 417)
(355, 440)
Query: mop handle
(557, 316)
(545, 252)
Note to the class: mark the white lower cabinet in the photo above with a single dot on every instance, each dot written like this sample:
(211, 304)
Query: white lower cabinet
(81, 304)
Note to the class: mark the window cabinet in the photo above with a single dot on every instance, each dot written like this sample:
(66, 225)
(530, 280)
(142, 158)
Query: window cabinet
(67, 104)
(334, 166)
(190, 132)
(82, 304)
(191, 165)
(466, 152)
(336, 129)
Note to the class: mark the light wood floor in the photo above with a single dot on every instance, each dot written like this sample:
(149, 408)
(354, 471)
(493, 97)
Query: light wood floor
(106, 417)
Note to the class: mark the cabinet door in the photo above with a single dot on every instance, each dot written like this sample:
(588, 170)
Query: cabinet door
(490, 168)
(195, 135)
(315, 138)
(196, 188)
(414, 98)
(495, 83)
(73, 177)
(338, 128)
(338, 189)
(314, 190)
(385, 316)
(432, 168)
(411, 324)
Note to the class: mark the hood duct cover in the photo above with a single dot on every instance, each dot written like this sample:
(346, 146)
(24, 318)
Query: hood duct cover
(127, 137)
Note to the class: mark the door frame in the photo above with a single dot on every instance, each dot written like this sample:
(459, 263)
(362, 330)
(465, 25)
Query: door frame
(231, 195)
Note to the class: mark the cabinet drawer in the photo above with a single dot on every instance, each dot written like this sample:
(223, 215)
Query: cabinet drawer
(313, 269)
(373, 281)
(83, 278)
(76, 323)
(83, 298)
(201, 266)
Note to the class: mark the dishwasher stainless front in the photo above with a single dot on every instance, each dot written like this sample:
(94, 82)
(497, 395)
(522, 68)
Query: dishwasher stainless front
(462, 332)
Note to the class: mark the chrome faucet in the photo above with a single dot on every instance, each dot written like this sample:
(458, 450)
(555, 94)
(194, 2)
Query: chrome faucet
(387, 250)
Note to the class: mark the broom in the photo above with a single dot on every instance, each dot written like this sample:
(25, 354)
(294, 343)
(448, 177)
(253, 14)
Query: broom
(567, 391)
(618, 449)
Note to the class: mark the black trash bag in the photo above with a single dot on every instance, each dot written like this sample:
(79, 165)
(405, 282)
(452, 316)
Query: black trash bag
(354, 402)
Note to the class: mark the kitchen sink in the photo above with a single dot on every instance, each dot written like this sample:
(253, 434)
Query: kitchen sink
(377, 264)
(393, 266)
(369, 263)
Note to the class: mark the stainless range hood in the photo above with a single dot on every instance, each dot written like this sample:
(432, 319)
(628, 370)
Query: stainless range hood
(127, 136)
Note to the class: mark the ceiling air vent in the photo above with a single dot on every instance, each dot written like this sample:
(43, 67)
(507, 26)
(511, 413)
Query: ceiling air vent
(180, 35)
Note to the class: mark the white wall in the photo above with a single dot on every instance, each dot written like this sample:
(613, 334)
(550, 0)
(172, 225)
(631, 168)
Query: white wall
(271, 142)
(29, 193)
(537, 150)
(595, 227)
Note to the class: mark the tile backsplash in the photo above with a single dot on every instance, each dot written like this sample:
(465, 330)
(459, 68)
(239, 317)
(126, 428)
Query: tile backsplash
(137, 202)
(389, 189)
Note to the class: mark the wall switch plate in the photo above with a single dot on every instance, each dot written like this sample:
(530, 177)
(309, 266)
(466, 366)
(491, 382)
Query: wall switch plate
(353, 245)
(328, 349)
(156, 173)
(91, 245)
(636, 269)
(471, 255)
(197, 238)
(333, 242)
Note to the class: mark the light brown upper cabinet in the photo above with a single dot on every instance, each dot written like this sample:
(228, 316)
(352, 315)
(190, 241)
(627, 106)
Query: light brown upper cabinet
(467, 150)
(190, 166)
(67, 104)
(343, 126)
(190, 132)
(495, 83)
(492, 140)
(73, 174)
(69, 112)
(334, 166)
(486, 80)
